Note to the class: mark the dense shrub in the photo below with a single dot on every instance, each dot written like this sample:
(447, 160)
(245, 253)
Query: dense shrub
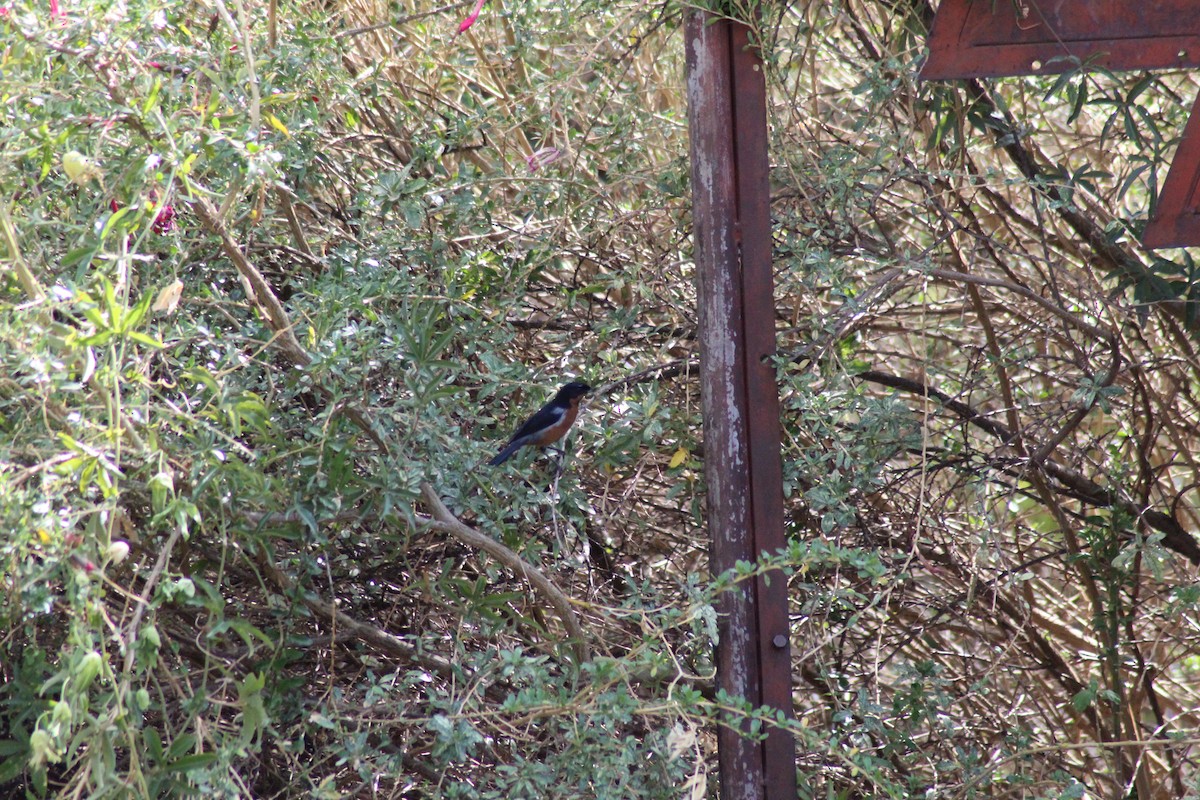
(278, 280)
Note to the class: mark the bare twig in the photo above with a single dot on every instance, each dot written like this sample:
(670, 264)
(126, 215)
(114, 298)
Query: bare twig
(445, 521)
(264, 297)
(402, 20)
(363, 631)
(160, 565)
(289, 211)
(1174, 536)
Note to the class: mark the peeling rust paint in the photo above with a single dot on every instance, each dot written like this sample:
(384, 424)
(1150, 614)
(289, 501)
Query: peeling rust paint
(732, 238)
(991, 40)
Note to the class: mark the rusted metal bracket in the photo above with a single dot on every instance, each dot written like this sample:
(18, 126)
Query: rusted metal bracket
(980, 39)
(1176, 218)
(983, 39)
(727, 118)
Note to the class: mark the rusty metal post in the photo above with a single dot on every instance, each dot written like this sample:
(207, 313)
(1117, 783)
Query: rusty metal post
(726, 91)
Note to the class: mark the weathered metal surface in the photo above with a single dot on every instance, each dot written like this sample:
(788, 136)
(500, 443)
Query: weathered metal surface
(765, 476)
(1176, 219)
(732, 235)
(710, 120)
(985, 39)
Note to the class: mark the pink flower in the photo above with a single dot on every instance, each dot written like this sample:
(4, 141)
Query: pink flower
(165, 221)
(470, 20)
(542, 158)
(82, 563)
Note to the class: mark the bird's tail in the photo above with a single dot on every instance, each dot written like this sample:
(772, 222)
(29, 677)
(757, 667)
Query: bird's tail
(504, 454)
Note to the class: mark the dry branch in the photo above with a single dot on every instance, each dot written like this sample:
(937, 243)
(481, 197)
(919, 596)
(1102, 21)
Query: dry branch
(445, 521)
(1174, 536)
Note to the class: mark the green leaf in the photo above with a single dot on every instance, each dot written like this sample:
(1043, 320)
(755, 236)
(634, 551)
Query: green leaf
(148, 341)
(192, 762)
(153, 743)
(11, 767)
(80, 257)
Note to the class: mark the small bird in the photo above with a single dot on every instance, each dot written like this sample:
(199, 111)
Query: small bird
(549, 424)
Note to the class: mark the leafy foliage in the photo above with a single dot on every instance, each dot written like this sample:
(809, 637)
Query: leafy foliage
(155, 407)
(278, 279)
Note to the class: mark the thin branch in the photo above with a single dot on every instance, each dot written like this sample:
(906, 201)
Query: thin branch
(401, 20)
(376, 637)
(1053, 308)
(263, 296)
(1174, 536)
(289, 212)
(445, 521)
(160, 565)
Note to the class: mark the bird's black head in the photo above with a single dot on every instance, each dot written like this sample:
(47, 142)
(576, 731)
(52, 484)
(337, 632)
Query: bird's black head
(572, 390)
